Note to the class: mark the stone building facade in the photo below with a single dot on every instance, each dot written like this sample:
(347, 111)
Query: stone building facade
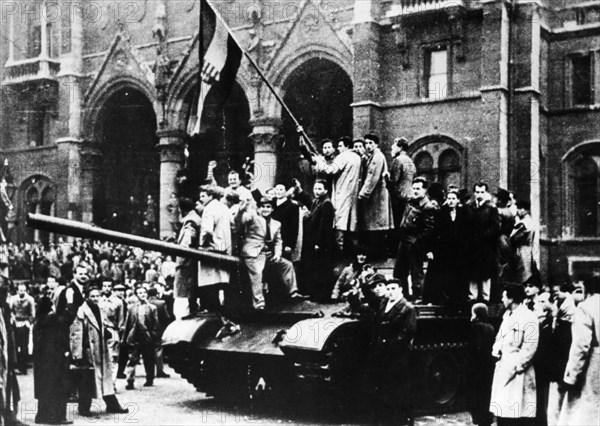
(98, 99)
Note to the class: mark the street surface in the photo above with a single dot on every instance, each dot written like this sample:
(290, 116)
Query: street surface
(174, 401)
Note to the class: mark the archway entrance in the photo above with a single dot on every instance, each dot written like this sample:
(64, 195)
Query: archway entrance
(223, 136)
(319, 93)
(131, 167)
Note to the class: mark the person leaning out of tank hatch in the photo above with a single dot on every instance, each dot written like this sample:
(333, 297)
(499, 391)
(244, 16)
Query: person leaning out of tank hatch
(89, 336)
(141, 337)
(394, 328)
(261, 250)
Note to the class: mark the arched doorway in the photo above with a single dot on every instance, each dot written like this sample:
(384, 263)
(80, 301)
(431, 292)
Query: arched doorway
(130, 162)
(37, 195)
(223, 135)
(319, 94)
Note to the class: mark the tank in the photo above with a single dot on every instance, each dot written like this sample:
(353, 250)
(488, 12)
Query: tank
(293, 347)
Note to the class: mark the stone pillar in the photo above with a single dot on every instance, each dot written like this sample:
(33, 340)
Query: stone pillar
(366, 40)
(171, 146)
(70, 76)
(90, 161)
(265, 136)
(68, 178)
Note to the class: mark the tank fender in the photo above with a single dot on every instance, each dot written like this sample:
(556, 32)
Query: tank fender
(191, 330)
(314, 334)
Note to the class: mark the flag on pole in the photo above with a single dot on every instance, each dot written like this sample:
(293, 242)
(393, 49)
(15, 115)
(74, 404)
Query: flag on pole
(220, 58)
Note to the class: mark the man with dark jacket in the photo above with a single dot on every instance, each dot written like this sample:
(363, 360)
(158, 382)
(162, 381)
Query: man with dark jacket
(317, 247)
(395, 325)
(163, 321)
(140, 336)
(288, 213)
(484, 232)
(416, 231)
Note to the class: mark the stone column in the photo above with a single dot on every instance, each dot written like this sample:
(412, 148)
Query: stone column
(68, 178)
(366, 40)
(171, 146)
(265, 136)
(90, 161)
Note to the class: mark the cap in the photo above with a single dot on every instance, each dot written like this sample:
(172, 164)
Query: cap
(376, 279)
(119, 287)
(263, 201)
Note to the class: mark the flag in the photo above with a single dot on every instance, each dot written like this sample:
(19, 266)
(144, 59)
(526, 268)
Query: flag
(221, 57)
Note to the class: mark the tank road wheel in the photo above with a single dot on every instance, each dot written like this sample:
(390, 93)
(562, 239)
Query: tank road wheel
(442, 378)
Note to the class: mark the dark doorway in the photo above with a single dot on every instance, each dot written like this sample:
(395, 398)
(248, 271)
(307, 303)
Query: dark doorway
(223, 138)
(130, 163)
(319, 94)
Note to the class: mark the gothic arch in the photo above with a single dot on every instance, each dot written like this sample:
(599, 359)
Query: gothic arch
(95, 100)
(284, 67)
(581, 190)
(180, 89)
(36, 195)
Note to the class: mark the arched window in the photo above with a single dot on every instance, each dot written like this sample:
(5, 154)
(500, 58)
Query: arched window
(37, 195)
(424, 165)
(586, 180)
(449, 168)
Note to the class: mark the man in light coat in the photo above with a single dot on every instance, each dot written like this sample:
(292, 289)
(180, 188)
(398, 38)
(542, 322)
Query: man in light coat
(215, 236)
(374, 200)
(90, 333)
(186, 271)
(402, 173)
(514, 388)
(582, 375)
(345, 168)
(261, 249)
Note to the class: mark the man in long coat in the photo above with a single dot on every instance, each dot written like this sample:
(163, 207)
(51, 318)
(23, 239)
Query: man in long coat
(402, 173)
(582, 375)
(345, 168)
(374, 200)
(91, 356)
(484, 232)
(317, 248)
(395, 325)
(215, 236)
(186, 271)
(514, 387)
(287, 213)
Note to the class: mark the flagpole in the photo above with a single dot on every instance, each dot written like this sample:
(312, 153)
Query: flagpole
(299, 128)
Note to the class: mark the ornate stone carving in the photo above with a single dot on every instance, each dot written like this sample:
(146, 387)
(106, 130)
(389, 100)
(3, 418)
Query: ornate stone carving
(163, 66)
(402, 37)
(455, 17)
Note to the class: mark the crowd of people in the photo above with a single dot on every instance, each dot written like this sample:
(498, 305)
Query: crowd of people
(465, 251)
(84, 313)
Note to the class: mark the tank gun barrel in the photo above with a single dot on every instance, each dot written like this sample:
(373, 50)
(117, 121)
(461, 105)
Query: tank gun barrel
(84, 230)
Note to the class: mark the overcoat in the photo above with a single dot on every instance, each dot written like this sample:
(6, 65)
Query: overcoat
(346, 169)
(186, 271)
(521, 240)
(50, 360)
(89, 348)
(513, 392)
(376, 207)
(215, 235)
(484, 232)
(580, 406)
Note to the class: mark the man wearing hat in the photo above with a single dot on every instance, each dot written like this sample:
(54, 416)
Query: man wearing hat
(262, 249)
(521, 241)
(395, 325)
